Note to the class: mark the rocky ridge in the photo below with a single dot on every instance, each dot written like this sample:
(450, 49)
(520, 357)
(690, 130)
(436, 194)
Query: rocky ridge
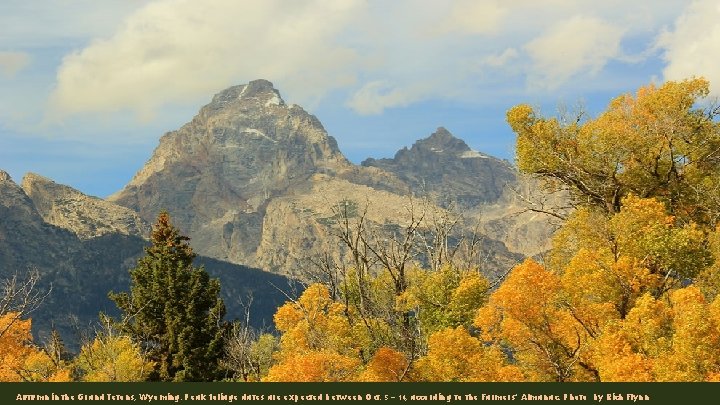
(85, 216)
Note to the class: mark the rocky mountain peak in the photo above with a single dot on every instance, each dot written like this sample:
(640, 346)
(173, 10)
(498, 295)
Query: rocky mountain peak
(445, 167)
(442, 141)
(15, 208)
(259, 91)
(87, 217)
(261, 88)
(32, 179)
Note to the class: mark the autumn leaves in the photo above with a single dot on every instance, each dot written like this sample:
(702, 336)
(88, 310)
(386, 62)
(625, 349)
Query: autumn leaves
(628, 292)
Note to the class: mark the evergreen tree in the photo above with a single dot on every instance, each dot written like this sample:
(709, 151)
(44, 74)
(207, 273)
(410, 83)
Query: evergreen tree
(173, 309)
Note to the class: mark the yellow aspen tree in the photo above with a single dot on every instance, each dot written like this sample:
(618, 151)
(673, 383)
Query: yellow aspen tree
(386, 365)
(112, 358)
(655, 143)
(526, 315)
(317, 342)
(14, 345)
(454, 355)
(20, 360)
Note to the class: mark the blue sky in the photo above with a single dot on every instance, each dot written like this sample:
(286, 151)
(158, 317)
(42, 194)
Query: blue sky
(88, 87)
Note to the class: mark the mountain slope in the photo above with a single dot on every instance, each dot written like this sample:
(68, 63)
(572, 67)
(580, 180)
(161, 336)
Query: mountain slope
(478, 186)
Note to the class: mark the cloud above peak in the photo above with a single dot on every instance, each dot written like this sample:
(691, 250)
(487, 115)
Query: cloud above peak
(379, 55)
(174, 51)
(578, 45)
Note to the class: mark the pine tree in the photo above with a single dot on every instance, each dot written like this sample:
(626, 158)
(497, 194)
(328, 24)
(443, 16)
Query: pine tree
(173, 309)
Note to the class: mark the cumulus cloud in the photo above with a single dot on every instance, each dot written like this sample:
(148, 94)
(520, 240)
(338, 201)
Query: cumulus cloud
(578, 45)
(13, 62)
(692, 48)
(376, 96)
(378, 54)
(179, 50)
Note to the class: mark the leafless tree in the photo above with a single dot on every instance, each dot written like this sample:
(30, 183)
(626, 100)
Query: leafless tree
(243, 357)
(542, 196)
(20, 296)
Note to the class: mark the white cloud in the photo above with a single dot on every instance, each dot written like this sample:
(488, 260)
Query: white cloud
(693, 47)
(474, 17)
(181, 50)
(378, 54)
(571, 47)
(375, 97)
(13, 62)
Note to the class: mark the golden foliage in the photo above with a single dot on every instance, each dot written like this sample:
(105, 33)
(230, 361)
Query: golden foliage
(315, 366)
(655, 144)
(14, 346)
(112, 358)
(454, 355)
(387, 365)
(19, 359)
(527, 313)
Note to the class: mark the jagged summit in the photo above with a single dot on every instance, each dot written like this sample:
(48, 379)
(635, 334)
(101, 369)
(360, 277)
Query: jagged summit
(444, 166)
(442, 141)
(31, 179)
(251, 133)
(15, 206)
(259, 90)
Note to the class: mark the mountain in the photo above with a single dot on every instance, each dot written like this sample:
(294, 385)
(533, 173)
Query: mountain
(254, 181)
(216, 174)
(444, 168)
(82, 248)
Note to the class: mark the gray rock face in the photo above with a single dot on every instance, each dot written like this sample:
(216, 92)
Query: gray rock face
(85, 216)
(444, 168)
(15, 205)
(216, 174)
(21, 226)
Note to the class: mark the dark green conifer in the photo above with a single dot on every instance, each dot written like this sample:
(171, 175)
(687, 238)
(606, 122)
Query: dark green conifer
(173, 309)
